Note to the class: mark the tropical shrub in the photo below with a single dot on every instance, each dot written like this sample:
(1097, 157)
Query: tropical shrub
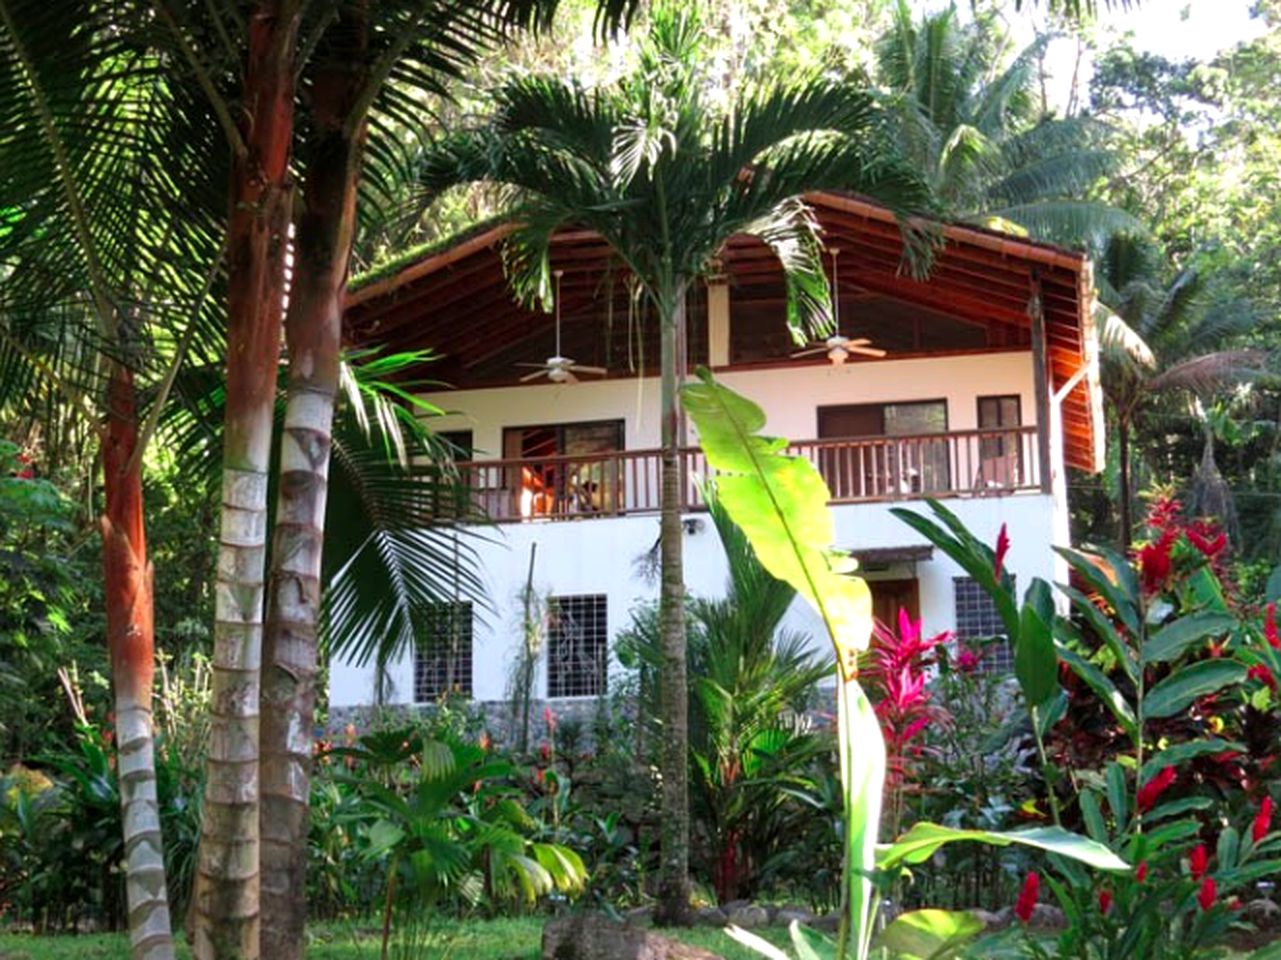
(1164, 681)
(780, 502)
(444, 823)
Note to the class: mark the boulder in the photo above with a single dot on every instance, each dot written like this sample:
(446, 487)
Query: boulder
(829, 923)
(593, 937)
(748, 917)
(1263, 913)
(710, 917)
(785, 915)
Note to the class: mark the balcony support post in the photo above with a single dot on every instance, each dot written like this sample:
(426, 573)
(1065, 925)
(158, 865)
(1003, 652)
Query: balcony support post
(1041, 385)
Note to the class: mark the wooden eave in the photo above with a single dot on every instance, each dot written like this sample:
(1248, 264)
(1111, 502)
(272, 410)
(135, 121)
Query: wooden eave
(457, 300)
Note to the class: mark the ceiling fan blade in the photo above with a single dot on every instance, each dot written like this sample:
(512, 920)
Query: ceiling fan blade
(810, 352)
(540, 366)
(858, 342)
(866, 351)
(533, 376)
(569, 378)
(599, 371)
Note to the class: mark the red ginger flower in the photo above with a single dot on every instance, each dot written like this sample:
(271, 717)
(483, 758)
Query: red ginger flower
(1207, 894)
(1262, 673)
(1105, 901)
(1026, 902)
(1154, 561)
(1270, 626)
(1199, 862)
(1002, 548)
(1141, 874)
(1151, 791)
(1262, 821)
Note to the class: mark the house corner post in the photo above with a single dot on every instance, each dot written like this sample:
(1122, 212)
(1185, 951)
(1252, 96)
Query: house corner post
(1041, 385)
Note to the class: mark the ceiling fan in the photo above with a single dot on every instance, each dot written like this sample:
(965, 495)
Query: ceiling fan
(556, 368)
(837, 347)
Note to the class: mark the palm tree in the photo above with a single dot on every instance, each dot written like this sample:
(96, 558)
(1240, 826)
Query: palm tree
(362, 67)
(105, 271)
(1158, 338)
(666, 179)
(974, 129)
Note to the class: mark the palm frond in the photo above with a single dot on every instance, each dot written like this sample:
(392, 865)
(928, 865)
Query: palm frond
(1209, 372)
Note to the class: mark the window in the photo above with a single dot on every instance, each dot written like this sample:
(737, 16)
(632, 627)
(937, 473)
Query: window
(889, 468)
(581, 478)
(442, 661)
(1000, 454)
(977, 619)
(577, 647)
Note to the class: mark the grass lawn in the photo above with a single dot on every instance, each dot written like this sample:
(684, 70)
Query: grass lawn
(508, 939)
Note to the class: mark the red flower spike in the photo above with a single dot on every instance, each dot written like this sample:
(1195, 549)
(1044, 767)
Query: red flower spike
(1262, 821)
(1002, 548)
(1141, 874)
(1151, 791)
(1199, 862)
(1105, 901)
(1209, 544)
(1207, 894)
(1154, 562)
(1026, 902)
(1270, 626)
(1263, 674)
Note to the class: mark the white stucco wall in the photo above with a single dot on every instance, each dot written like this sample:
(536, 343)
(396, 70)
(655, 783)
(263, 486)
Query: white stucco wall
(596, 556)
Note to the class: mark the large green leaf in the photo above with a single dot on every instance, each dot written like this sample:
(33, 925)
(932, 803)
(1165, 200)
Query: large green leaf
(1178, 637)
(1103, 688)
(780, 502)
(925, 839)
(1035, 660)
(1182, 752)
(930, 934)
(1180, 689)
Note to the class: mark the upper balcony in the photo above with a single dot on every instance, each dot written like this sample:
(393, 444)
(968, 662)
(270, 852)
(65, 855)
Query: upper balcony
(960, 463)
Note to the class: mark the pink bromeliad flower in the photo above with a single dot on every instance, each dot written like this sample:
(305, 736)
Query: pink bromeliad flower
(897, 679)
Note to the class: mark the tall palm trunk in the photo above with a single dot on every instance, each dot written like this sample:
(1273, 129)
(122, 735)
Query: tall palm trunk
(313, 331)
(1125, 494)
(673, 891)
(227, 882)
(131, 640)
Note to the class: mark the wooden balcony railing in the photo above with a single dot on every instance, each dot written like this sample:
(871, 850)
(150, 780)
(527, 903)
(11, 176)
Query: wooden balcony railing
(858, 470)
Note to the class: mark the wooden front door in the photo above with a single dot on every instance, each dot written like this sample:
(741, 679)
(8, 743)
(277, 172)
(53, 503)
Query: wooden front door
(889, 596)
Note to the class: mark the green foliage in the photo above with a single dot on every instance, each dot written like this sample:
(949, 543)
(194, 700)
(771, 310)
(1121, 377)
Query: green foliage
(789, 543)
(656, 169)
(971, 120)
(61, 835)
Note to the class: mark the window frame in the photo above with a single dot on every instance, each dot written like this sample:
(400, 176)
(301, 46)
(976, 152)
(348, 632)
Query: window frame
(556, 690)
(426, 655)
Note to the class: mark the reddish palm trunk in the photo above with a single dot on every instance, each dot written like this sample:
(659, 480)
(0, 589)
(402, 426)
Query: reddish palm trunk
(131, 641)
(314, 332)
(227, 883)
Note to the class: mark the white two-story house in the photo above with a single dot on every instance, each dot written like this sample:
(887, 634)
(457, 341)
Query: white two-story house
(977, 386)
